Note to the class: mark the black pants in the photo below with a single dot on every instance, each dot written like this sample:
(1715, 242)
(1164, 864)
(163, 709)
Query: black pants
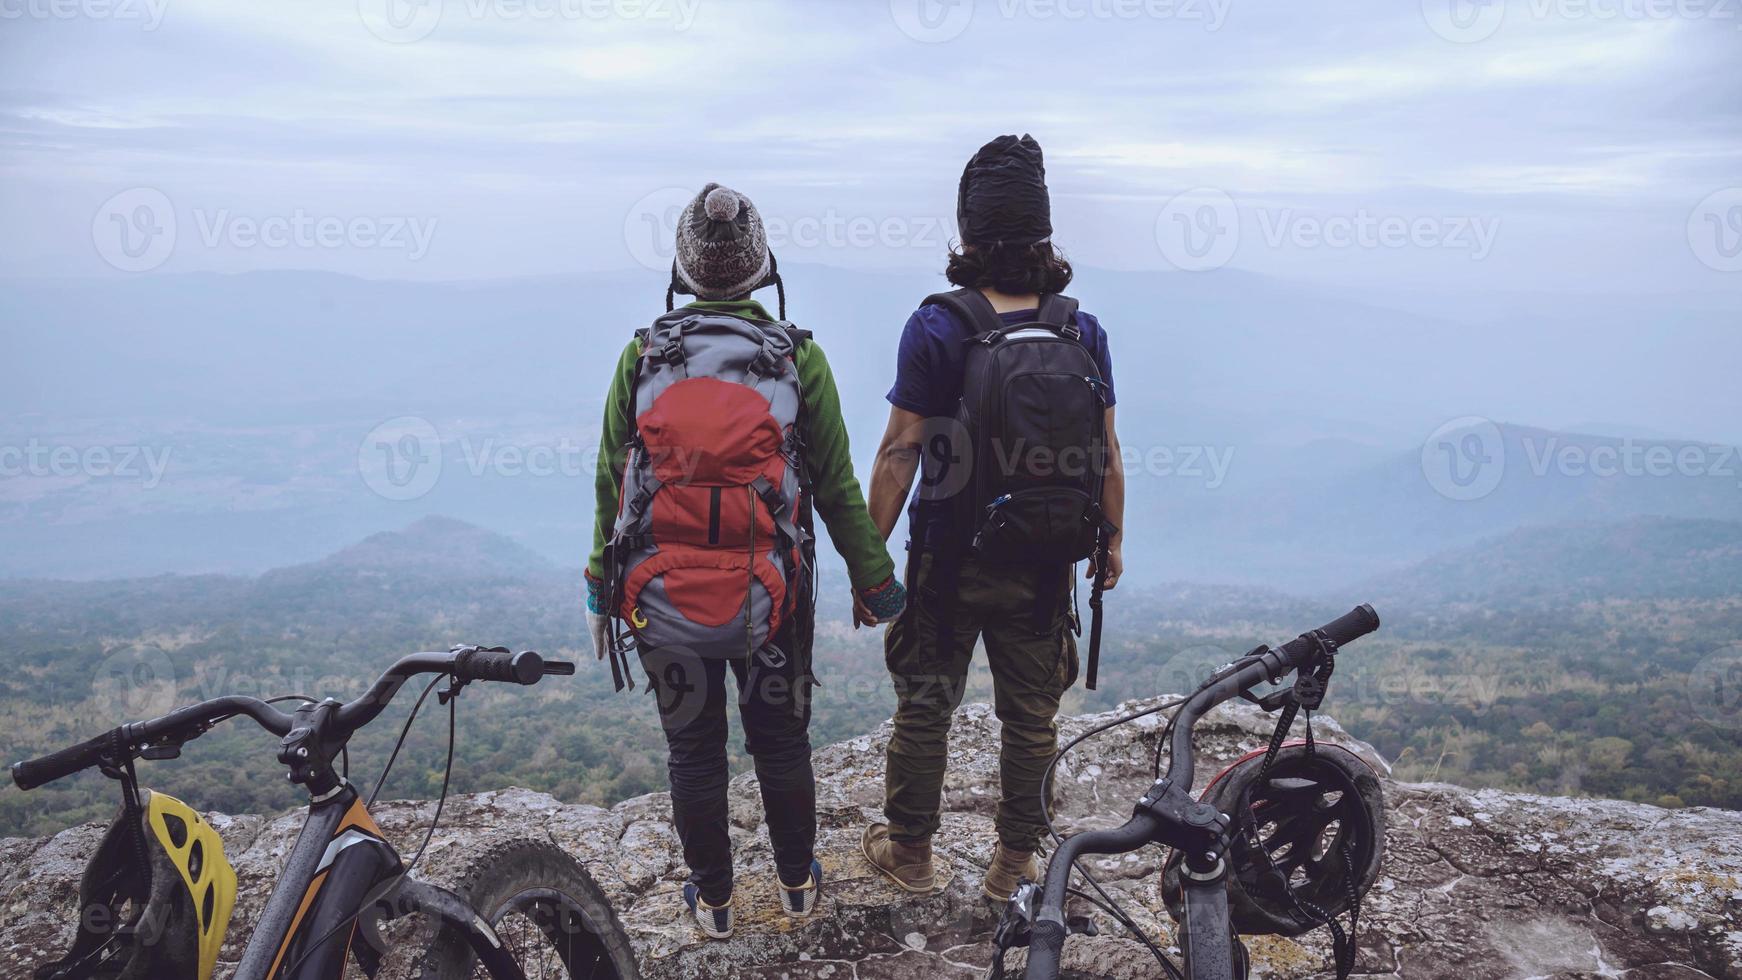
(774, 705)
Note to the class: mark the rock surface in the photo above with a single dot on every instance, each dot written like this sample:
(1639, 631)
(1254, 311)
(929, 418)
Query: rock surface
(1477, 884)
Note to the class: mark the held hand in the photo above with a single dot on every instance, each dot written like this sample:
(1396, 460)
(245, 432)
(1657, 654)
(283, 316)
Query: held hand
(861, 614)
(1115, 568)
(879, 603)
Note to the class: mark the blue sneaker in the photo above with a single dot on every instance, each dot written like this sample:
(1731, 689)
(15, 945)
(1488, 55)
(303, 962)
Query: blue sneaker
(716, 921)
(802, 901)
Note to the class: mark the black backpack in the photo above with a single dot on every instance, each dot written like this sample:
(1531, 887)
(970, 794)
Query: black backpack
(1034, 410)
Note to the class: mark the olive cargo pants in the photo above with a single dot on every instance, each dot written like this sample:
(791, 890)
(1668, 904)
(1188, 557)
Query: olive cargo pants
(1023, 613)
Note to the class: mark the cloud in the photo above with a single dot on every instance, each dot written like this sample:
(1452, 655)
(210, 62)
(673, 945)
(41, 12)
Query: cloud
(507, 109)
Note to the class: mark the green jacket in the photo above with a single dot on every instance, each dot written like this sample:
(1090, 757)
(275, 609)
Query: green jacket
(827, 457)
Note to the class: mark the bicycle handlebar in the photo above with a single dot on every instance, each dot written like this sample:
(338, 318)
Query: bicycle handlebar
(466, 664)
(1049, 928)
(35, 772)
(1049, 931)
(1271, 665)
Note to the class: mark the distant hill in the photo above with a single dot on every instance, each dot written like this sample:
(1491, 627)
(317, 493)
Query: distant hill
(1646, 558)
(1318, 524)
(436, 547)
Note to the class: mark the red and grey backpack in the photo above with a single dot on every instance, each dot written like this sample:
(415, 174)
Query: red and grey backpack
(709, 553)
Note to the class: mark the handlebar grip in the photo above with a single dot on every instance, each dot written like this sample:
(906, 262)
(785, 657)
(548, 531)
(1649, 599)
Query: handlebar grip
(56, 765)
(525, 667)
(1352, 625)
(1343, 630)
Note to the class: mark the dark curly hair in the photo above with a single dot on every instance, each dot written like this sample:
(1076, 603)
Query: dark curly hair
(1015, 269)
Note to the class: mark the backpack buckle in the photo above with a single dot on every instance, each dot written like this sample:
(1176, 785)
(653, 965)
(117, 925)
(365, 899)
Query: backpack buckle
(766, 364)
(1071, 331)
(672, 352)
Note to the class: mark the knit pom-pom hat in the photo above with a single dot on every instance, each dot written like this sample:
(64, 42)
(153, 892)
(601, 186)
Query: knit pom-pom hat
(722, 248)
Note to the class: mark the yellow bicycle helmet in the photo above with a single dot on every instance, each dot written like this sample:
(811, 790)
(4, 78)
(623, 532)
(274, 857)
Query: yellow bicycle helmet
(155, 898)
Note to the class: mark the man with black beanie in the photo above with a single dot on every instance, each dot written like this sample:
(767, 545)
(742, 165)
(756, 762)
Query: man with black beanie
(1010, 275)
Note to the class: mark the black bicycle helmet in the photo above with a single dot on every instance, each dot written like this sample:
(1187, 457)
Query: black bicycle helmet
(1308, 839)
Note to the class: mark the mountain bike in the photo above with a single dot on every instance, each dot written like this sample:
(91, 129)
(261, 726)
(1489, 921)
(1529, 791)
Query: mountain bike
(1284, 841)
(156, 896)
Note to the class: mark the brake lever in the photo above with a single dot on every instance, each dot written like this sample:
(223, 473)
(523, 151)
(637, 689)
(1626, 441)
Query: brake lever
(169, 745)
(558, 668)
(161, 751)
(452, 691)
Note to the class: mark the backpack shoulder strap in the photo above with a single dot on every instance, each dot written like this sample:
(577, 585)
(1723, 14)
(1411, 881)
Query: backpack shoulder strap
(969, 306)
(1059, 310)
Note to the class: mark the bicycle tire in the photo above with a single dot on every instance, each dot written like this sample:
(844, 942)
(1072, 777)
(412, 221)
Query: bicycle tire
(540, 900)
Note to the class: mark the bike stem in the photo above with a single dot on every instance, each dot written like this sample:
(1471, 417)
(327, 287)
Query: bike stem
(1206, 935)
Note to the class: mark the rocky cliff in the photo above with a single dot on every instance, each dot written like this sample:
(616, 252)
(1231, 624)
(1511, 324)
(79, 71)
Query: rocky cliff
(1477, 884)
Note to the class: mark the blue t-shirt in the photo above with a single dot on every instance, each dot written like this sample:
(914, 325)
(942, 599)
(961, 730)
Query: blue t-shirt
(928, 381)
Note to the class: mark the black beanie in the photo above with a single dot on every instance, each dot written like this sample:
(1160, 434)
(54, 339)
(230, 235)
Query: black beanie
(1003, 199)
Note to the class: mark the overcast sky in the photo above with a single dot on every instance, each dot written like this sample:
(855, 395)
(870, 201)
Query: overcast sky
(1572, 145)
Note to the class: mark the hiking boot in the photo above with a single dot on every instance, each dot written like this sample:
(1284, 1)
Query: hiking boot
(715, 920)
(1008, 867)
(800, 901)
(909, 866)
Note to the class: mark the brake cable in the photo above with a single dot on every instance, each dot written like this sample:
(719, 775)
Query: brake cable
(1112, 907)
(403, 731)
(450, 696)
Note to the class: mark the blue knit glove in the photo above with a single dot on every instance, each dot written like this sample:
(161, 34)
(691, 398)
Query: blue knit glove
(885, 601)
(595, 595)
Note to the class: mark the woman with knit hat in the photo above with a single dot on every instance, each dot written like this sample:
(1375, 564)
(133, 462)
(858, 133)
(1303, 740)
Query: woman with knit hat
(722, 432)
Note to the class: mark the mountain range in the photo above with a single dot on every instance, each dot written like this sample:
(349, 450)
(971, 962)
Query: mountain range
(1591, 632)
(1278, 434)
